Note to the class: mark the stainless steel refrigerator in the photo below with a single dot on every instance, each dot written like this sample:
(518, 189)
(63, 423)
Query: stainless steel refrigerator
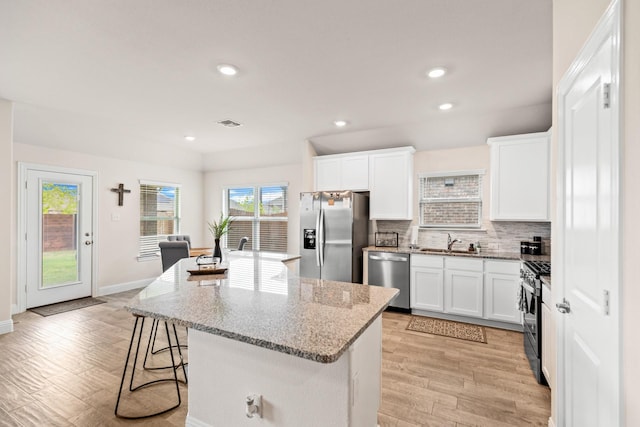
(334, 227)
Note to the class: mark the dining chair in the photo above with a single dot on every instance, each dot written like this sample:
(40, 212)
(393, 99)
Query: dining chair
(243, 242)
(179, 238)
(173, 251)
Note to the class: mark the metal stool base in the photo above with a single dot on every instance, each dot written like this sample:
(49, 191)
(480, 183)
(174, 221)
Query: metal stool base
(174, 367)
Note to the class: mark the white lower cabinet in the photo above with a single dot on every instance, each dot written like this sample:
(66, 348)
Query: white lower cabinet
(548, 338)
(427, 284)
(546, 332)
(501, 284)
(464, 286)
(463, 292)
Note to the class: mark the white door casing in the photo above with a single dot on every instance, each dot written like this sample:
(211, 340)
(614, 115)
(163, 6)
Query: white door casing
(32, 291)
(586, 263)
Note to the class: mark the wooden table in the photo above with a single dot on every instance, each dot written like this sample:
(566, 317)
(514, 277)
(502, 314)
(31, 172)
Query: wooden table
(200, 251)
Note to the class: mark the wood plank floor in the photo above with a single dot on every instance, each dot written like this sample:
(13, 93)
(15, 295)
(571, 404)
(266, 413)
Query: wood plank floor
(65, 370)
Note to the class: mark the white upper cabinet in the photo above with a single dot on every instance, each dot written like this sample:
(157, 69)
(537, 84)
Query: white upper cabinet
(391, 184)
(342, 172)
(520, 177)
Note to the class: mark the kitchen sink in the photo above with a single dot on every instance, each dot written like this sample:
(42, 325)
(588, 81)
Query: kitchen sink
(444, 251)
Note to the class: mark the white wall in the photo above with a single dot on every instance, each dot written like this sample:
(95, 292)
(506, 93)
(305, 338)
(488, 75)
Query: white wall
(117, 241)
(7, 250)
(573, 21)
(216, 182)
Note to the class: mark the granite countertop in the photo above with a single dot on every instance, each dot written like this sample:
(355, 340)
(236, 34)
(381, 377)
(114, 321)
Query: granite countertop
(484, 254)
(261, 302)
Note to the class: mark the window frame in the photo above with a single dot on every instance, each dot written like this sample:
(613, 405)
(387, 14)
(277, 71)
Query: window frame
(177, 218)
(422, 201)
(256, 218)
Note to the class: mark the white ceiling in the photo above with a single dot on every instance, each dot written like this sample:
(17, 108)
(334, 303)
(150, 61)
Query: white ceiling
(123, 78)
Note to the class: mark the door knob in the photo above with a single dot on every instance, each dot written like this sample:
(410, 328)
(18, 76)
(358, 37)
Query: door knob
(564, 307)
(88, 242)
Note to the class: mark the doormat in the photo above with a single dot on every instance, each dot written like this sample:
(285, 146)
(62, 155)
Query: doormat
(448, 328)
(62, 307)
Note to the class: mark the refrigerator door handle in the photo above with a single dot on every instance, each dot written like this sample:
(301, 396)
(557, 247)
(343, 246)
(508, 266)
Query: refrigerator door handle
(318, 239)
(321, 238)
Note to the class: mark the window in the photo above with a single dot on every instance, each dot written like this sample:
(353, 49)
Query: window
(159, 215)
(260, 213)
(452, 199)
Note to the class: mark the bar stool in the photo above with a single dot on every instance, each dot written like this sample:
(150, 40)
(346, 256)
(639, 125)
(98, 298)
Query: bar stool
(153, 351)
(140, 321)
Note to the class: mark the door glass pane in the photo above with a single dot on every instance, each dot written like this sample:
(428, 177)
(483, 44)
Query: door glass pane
(59, 233)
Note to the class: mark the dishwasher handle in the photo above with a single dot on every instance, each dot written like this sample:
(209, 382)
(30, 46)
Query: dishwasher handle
(389, 258)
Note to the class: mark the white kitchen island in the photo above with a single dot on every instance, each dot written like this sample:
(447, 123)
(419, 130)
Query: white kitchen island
(311, 349)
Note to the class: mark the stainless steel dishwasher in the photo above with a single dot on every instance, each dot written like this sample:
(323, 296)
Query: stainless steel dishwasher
(391, 270)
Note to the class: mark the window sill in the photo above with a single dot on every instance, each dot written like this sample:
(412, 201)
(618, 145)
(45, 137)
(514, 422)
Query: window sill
(148, 258)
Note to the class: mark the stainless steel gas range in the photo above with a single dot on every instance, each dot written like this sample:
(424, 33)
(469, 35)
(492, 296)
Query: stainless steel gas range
(531, 305)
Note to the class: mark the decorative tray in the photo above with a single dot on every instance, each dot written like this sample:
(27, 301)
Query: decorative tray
(205, 269)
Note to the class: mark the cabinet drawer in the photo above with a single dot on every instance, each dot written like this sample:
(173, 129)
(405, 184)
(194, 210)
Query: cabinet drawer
(427, 261)
(502, 267)
(460, 263)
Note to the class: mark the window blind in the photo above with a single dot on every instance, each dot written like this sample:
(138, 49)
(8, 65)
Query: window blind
(159, 215)
(451, 200)
(260, 213)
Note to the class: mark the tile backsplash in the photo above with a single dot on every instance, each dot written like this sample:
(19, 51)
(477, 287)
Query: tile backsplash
(494, 235)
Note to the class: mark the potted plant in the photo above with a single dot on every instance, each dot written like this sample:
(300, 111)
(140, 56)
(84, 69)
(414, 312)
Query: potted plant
(218, 229)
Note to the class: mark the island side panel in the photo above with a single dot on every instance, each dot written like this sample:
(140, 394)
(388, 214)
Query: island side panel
(223, 372)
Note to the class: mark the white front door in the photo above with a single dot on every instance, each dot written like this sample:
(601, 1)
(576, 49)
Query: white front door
(59, 236)
(587, 268)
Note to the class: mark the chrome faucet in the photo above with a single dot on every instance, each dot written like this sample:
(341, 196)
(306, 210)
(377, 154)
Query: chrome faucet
(450, 242)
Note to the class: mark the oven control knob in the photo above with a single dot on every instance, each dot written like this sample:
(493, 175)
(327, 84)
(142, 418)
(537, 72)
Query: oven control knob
(564, 307)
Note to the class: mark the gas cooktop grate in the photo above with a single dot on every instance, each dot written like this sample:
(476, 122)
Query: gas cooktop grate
(540, 268)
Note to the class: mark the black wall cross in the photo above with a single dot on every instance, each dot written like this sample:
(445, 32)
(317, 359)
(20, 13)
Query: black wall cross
(120, 190)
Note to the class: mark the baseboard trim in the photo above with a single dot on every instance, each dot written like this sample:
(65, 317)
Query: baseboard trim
(194, 422)
(551, 423)
(121, 287)
(6, 326)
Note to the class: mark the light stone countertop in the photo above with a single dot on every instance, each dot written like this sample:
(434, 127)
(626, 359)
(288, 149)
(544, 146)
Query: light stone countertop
(513, 256)
(261, 302)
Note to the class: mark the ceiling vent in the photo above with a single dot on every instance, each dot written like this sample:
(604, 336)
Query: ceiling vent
(229, 123)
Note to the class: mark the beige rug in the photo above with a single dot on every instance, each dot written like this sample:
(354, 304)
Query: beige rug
(447, 328)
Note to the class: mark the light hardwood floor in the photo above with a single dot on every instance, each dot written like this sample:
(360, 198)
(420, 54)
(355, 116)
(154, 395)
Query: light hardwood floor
(65, 370)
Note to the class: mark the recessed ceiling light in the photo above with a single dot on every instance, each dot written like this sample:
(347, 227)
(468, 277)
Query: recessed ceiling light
(189, 138)
(341, 123)
(227, 69)
(445, 106)
(434, 73)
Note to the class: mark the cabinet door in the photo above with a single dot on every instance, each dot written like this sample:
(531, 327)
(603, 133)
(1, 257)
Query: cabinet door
(520, 178)
(500, 298)
(391, 185)
(548, 339)
(427, 289)
(355, 173)
(328, 174)
(463, 292)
